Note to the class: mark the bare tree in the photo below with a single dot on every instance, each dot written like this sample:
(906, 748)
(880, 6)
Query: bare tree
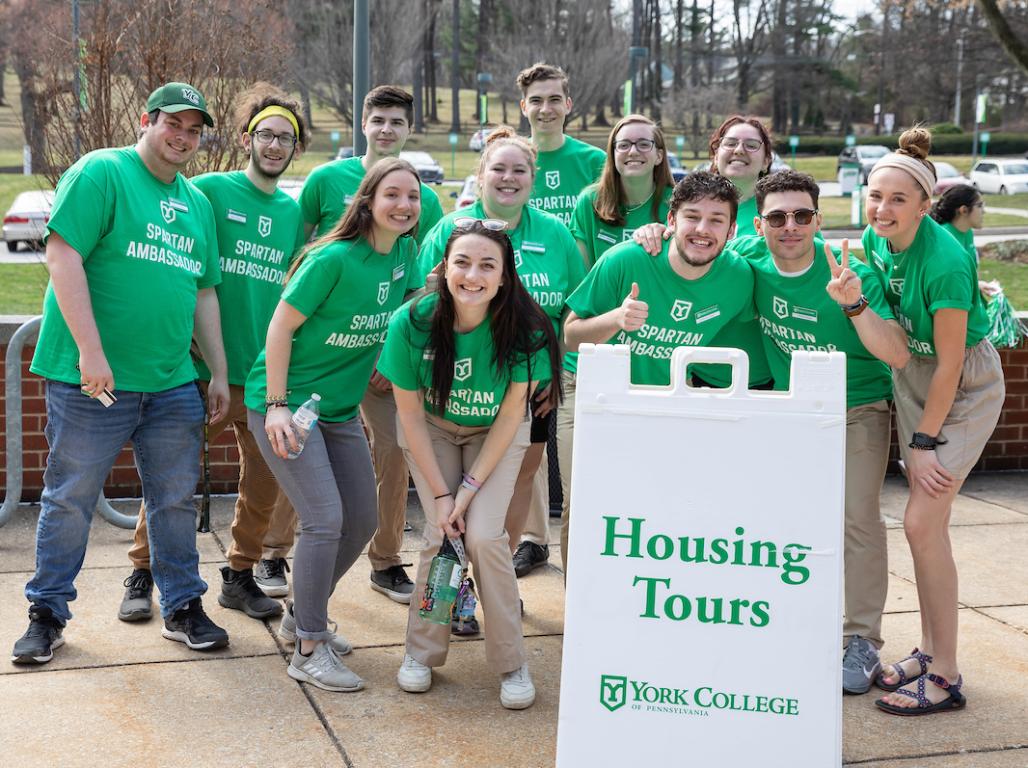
(749, 41)
(1004, 28)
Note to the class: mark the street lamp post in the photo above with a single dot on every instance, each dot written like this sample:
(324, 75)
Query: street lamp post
(361, 72)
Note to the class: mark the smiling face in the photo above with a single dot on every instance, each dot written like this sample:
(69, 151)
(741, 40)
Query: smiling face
(736, 163)
(505, 180)
(386, 129)
(635, 163)
(792, 245)
(546, 106)
(270, 160)
(397, 203)
(895, 205)
(701, 229)
(474, 271)
(174, 138)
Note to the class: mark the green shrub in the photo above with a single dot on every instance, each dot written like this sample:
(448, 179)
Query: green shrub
(942, 144)
(941, 128)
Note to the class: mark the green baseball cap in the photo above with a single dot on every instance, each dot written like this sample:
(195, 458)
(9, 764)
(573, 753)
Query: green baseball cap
(178, 97)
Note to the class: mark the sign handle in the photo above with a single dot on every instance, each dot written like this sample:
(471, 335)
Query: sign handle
(683, 357)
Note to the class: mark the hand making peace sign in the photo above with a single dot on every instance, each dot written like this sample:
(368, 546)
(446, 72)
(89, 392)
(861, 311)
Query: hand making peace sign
(845, 287)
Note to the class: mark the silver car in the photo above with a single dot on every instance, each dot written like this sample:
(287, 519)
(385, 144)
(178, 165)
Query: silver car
(26, 219)
(428, 169)
(1000, 177)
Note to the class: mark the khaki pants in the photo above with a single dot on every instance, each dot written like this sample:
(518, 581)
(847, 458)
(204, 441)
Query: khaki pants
(281, 534)
(378, 409)
(971, 419)
(257, 493)
(565, 443)
(485, 539)
(865, 548)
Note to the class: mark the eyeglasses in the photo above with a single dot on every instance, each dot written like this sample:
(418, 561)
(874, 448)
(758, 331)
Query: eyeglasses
(749, 145)
(979, 204)
(285, 140)
(642, 145)
(467, 222)
(802, 217)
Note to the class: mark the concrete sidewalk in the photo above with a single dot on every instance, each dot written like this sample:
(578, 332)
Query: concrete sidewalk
(120, 695)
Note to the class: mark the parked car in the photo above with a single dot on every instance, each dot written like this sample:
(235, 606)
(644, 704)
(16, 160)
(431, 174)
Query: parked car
(866, 155)
(468, 193)
(428, 169)
(947, 176)
(478, 139)
(26, 219)
(344, 152)
(1003, 177)
(291, 187)
(678, 171)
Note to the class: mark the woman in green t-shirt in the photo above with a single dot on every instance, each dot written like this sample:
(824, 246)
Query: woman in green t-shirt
(948, 400)
(324, 338)
(960, 210)
(462, 361)
(741, 151)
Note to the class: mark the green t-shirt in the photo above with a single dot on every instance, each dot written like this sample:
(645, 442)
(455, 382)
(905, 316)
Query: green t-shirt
(147, 247)
(258, 234)
(478, 388)
(545, 256)
(562, 174)
(682, 313)
(966, 240)
(348, 292)
(330, 188)
(933, 273)
(742, 333)
(744, 218)
(796, 313)
(599, 236)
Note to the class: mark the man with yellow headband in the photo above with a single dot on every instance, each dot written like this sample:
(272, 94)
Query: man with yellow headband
(258, 230)
(388, 113)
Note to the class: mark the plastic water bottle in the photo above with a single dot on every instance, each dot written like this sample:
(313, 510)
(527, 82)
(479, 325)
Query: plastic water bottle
(303, 422)
(444, 578)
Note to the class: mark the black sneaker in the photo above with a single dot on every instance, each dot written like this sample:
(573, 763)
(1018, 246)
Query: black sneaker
(37, 645)
(393, 583)
(529, 556)
(190, 625)
(137, 604)
(240, 592)
(270, 576)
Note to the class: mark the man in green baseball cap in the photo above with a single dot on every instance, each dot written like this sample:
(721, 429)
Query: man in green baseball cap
(178, 97)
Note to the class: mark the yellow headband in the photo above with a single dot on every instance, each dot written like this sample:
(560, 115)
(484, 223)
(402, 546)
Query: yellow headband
(272, 111)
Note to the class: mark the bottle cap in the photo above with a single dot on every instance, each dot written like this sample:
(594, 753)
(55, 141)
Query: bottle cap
(315, 397)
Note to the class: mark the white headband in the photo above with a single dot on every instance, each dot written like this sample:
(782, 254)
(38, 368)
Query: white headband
(922, 173)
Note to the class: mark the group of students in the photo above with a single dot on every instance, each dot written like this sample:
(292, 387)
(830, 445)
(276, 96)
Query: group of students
(445, 334)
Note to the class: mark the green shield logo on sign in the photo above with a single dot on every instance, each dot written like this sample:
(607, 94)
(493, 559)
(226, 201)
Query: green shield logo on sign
(613, 691)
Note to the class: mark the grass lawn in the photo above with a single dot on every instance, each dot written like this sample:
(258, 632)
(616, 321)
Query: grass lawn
(22, 287)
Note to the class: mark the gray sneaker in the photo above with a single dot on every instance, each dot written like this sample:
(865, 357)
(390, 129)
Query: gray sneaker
(323, 669)
(860, 665)
(287, 631)
(137, 604)
(270, 576)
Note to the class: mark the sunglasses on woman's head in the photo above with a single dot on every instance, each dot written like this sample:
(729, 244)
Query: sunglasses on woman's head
(467, 222)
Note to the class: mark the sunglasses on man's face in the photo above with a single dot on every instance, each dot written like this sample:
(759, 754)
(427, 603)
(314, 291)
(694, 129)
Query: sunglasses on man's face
(802, 217)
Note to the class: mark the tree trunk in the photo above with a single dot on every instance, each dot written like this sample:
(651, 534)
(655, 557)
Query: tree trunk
(1015, 47)
(32, 112)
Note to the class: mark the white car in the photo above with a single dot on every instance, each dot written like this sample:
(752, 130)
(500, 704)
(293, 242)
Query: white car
(428, 169)
(1002, 177)
(468, 193)
(26, 219)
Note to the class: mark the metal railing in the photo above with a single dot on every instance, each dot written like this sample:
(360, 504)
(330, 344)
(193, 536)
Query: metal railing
(13, 410)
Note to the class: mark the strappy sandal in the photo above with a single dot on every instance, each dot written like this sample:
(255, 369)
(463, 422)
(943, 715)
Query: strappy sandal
(954, 701)
(923, 660)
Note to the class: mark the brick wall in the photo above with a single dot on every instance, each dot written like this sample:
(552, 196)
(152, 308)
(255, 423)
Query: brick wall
(1007, 450)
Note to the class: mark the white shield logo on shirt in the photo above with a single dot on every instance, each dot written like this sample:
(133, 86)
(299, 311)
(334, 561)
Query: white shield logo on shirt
(383, 292)
(553, 179)
(167, 211)
(264, 225)
(517, 259)
(462, 369)
(896, 283)
(680, 310)
(780, 307)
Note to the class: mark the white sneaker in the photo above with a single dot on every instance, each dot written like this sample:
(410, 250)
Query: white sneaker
(516, 689)
(413, 676)
(323, 669)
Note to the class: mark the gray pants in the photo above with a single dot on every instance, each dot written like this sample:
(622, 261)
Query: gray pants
(332, 487)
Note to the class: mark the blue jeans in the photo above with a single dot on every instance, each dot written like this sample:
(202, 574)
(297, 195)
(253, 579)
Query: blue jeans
(165, 429)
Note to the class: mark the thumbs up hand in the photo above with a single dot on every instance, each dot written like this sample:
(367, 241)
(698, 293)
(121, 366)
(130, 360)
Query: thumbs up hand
(845, 286)
(633, 313)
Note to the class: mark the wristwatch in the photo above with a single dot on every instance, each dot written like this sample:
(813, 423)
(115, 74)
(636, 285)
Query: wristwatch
(922, 442)
(852, 310)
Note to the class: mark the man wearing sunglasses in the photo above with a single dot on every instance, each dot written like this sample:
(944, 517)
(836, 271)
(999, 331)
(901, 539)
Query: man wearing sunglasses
(259, 228)
(808, 298)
